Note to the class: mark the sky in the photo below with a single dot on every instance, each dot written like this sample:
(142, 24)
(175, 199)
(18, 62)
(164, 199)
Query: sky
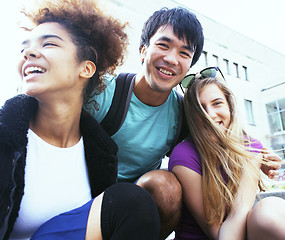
(260, 20)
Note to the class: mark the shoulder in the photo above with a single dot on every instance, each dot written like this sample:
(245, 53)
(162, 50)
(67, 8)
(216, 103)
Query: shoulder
(185, 154)
(104, 100)
(19, 105)
(174, 102)
(254, 145)
(92, 131)
(186, 146)
(176, 96)
(15, 118)
(100, 154)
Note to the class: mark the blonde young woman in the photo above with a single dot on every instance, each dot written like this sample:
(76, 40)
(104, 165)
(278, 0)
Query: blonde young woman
(219, 167)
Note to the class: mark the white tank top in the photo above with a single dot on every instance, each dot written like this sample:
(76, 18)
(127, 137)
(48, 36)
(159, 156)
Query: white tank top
(56, 181)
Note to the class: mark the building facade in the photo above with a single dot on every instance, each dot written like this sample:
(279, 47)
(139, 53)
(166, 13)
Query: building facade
(253, 71)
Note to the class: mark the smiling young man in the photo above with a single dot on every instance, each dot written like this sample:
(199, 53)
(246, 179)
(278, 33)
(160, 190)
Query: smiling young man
(171, 42)
(167, 59)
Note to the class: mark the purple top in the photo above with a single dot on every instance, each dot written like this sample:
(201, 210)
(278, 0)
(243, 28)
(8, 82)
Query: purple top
(186, 154)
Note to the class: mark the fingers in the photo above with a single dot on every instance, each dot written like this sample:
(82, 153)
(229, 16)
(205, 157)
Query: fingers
(272, 157)
(264, 151)
(273, 173)
(274, 161)
(274, 165)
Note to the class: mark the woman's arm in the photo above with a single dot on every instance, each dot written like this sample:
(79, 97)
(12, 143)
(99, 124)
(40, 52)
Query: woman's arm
(234, 227)
(193, 198)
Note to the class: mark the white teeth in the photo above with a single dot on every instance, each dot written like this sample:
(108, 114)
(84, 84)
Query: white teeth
(30, 70)
(165, 71)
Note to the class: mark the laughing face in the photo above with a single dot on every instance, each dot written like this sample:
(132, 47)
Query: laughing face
(167, 59)
(49, 64)
(215, 104)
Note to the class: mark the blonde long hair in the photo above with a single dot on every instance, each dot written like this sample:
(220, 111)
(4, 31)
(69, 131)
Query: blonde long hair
(220, 151)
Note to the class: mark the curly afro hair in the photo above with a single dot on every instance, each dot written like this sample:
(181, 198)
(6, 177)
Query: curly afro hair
(99, 38)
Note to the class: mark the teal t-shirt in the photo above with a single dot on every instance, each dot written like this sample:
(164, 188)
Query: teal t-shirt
(146, 134)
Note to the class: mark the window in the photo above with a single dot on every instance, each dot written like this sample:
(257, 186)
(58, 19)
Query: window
(245, 72)
(236, 69)
(276, 115)
(249, 112)
(216, 60)
(205, 55)
(226, 66)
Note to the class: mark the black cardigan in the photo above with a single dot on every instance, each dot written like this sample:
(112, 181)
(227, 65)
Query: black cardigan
(15, 116)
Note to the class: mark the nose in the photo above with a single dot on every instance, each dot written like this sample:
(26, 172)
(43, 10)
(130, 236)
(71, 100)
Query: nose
(171, 57)
(30, 53)
(211, 112)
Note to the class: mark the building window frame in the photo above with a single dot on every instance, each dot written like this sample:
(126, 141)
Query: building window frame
(245, 72)
(276, 115)
(216, 59)
(236, 69)
(205, 54)
(227, 66)
(249, 112)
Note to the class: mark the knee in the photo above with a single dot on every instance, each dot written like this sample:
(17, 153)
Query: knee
(138, 200)
(127, 208)
(161, 183)
(131, 197)
(266, 215)
(164, 188)
(139, 203)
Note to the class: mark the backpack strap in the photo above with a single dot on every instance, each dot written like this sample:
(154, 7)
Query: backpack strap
(182, 129)
(120, 103)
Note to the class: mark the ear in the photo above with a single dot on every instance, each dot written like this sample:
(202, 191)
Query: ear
(143, 52)
(88, 69)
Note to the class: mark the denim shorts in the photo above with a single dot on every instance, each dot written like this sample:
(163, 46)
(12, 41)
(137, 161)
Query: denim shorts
(69, 225)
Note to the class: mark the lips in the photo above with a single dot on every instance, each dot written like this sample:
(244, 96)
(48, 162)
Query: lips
(166, 72)
(28, 70)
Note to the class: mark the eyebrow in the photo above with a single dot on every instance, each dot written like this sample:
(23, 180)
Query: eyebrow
(219, 98)
(167, 39)
(43, 38)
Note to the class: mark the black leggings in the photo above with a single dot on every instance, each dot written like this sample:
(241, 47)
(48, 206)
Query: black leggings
(129, 213)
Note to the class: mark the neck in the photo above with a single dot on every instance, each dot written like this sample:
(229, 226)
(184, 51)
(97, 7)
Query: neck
(58, 123)
(146, 94)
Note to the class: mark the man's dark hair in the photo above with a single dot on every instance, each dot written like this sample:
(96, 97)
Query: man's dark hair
(184, 23)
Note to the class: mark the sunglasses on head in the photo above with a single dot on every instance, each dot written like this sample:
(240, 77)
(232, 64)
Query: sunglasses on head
(209, 72)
